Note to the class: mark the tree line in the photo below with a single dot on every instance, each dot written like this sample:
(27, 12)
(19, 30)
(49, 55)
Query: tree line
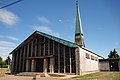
(4, 63)
(113, 54)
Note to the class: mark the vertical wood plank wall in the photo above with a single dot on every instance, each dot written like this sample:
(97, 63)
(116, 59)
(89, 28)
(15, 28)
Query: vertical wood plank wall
(64, 56)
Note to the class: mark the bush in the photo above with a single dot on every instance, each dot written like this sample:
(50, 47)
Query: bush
(3, 66)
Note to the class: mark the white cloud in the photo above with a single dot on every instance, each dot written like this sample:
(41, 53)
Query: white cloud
(13, 38)
(4, 51)
(43, 20)
(60, 21)
(43, 29)
(9, 37)
(5, 48)
(8, 17)
(8, 44)
(46, 29)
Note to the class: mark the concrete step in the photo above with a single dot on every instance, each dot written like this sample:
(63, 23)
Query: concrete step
(27, 73)
(57, 74)
(38, 75)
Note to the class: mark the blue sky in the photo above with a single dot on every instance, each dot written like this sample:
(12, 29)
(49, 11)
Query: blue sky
(100, 22)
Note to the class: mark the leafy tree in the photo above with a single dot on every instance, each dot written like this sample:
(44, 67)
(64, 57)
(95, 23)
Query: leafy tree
(1, 62)
(113, 54)
(7, 61)
(110, 54)
(0, 58)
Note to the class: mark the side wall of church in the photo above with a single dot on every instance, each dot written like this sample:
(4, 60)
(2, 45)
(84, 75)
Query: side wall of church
(88, 62)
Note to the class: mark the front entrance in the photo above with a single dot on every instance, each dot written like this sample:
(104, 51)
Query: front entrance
(39, 65)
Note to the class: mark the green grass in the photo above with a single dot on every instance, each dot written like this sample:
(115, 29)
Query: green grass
(100, 76)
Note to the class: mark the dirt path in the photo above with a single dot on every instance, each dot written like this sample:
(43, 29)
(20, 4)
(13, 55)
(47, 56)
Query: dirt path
(12, 77)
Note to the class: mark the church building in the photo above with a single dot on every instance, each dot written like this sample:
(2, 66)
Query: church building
(42, 52)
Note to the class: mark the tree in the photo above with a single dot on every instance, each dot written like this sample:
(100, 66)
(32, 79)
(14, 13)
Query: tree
(7, 61)
(0, 58)
(113, 54)
(1, 62)
(110, 54)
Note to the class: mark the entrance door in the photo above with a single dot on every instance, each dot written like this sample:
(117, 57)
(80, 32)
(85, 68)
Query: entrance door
(113, 66)
(39, 65)
(48, 66)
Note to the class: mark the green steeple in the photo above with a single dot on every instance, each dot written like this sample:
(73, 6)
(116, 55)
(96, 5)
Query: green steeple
(79, 38)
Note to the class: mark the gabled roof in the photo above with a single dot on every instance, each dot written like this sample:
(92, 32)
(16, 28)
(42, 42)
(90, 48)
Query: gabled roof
(62, 41)
(65, 42)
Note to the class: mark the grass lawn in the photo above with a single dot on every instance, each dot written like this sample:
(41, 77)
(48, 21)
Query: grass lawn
(100, 76)
(3, 71)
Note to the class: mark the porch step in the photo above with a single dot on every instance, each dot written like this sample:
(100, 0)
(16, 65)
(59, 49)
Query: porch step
(41, 74)
(57, 74)
(27, 73)
(37, 75)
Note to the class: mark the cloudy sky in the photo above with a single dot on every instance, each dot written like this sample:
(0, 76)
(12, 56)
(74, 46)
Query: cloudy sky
(100, 21)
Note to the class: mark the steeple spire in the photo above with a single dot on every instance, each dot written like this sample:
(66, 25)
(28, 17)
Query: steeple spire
(79, 38)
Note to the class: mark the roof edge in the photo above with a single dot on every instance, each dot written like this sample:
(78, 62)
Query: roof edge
(91, 51)
(46, 35)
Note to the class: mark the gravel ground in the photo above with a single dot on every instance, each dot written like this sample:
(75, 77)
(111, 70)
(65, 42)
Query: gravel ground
(12, 77)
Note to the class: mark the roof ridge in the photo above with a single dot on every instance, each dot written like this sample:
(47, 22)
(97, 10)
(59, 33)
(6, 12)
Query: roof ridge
(65, 42)
(52, 37)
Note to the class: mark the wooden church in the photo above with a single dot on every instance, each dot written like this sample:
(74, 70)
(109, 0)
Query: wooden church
(42, 52)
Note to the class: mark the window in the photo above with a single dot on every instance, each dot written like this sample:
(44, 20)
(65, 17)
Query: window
(38, 47)
(33, 46)
(61, 59)
(96, 58)
(92, 57)
(87, 55)
(51, 47)
(73, 64)
(41, 46)
(67, 59)
(26, 51)
(56, 57)
(46, 46)
(42, 49)
(29, 49)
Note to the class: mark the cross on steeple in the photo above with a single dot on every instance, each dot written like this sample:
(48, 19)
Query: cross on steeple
(79, 38)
